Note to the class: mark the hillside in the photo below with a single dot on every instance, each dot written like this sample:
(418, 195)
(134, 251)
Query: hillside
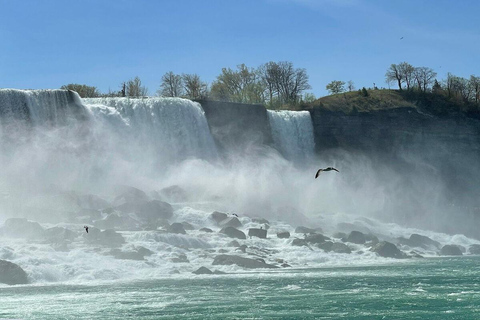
(438, 104)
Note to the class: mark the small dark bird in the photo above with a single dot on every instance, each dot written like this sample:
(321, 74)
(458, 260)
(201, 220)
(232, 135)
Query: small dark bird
(326, 169)
(401, 38)
(86, 228)
(234, 214)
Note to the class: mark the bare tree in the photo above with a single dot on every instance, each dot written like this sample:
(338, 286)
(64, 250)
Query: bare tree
(135, 88)
(194, 87)
(424, 77)
(406, 70)
(350, 85)
(394, 74)
(171, 86)
(474, 83)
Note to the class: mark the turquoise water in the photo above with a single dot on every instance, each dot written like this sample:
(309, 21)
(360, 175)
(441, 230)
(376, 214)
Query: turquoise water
(435, 288)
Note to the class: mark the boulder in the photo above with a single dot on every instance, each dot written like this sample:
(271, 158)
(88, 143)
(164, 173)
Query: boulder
(356, 237)
(11, 273)
(248, 263)
(299, 242)
(283, 235)
(206, 230)
(388, 250)
(325, 246)
(59, 234)
(339, 247)
(22, 228)
(174, 194)
(302, 229)
(128, 194)
(450, 250)
(474, 249)
(108, 237)
(180, 258)
(230, 222)
(340, 235)
(92, 202)
(260, 221)
(218, 216)
(187, 226)
(233, 243)
(233, 233)
(117, 221)
(202, 270)
(154, 210)
(259, 233)
(420, 241)
(176, 228)
(316, 238)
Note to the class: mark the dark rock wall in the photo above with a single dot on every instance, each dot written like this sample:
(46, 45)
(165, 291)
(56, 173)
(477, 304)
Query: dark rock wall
(236, 126)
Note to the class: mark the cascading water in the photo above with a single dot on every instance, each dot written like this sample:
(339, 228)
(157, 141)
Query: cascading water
(172, 128)
(292, 133)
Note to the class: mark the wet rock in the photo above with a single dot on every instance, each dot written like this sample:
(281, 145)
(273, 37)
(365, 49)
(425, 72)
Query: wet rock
(302, 229)
(242, 248)
(22, 228)
(117, 221)
(128, 194)
(299, 242)
(202, 270)
(181, 258)
(260, 221)
(187, 226)
(154, 210)
(340, 235)
(108, 237)
(233, 233)
(420, 241)
(316, 238)
(325, 246)
(388, 250)
(248, 263)
(59, 234)
(339, 247)
(285, 265)
(233, 243)
(474, 249)
(11, 273)
(349, 227)
(92, 202)
(283, 235)
(356, 237)
(206, 230)
(174, 194)
(176, 228)
(259, 233)
(450, 250)
(230, 222)
(218, 216)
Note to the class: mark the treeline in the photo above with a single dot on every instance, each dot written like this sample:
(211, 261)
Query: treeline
(275, 84)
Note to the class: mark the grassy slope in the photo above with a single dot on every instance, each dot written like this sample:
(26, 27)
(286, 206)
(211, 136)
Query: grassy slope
(350, 101)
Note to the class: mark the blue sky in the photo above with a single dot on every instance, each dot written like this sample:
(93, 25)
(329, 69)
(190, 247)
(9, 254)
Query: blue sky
(46, 44)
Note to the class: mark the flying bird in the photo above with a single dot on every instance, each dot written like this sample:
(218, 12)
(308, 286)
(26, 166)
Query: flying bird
(401, 38)
(86, 228)
(326, 169)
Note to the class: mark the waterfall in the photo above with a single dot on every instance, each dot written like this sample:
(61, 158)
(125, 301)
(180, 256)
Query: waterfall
(41, 107)
(292, 133)
(170, 127)
(53, 137)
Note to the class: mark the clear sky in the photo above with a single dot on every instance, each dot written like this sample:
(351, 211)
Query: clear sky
(45, 44)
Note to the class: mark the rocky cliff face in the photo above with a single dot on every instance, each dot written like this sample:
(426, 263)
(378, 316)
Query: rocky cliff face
(236, 126)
